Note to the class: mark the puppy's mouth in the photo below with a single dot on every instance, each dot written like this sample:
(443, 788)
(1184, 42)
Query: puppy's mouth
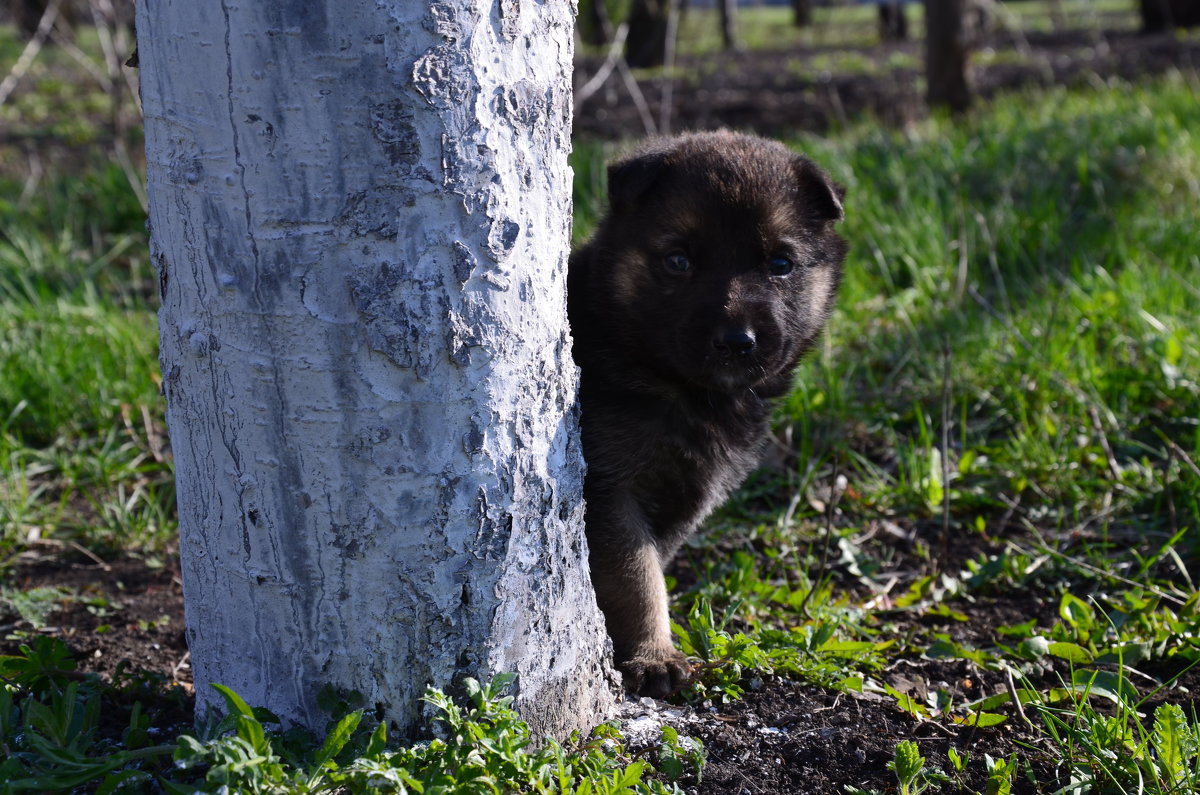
(731, 375)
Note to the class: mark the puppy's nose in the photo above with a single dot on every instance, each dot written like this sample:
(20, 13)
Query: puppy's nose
(733, 342)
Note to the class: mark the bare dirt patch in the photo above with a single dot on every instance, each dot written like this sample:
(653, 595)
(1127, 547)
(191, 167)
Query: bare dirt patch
(125, 610)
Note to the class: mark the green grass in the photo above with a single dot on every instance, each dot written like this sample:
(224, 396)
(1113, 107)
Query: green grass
(1027, 281)
(81, 433)
(1016, 347)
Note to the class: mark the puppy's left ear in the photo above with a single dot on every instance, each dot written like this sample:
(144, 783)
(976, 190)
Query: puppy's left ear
(820, 197)
(633, 176)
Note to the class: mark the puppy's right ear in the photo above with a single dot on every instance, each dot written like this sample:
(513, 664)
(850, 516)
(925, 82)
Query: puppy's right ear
(630, 177)
(821, 196)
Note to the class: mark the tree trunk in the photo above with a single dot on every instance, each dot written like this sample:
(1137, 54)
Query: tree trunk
(360, 215)
(1160, 15)
(1155, 15)
(649, 26)
(727, 14)
(893, 22)
(801, 13)
(946, 54)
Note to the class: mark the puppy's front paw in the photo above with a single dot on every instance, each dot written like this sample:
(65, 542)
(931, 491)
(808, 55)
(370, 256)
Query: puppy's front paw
(656, 672)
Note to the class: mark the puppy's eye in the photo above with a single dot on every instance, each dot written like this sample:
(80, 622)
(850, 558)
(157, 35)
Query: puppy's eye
(677, 262)
(780, 266)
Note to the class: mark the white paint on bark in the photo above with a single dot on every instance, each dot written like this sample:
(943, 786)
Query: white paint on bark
(360, 216)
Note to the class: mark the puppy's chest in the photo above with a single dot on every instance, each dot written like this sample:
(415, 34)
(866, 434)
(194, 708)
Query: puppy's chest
(689, 466)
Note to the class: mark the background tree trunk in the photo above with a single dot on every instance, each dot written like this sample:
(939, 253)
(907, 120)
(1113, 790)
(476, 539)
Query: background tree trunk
(649, 25)
(1159, 15)
(360, 218)
(727, 16)
(946, 53)
(801, 13)
(893, 21)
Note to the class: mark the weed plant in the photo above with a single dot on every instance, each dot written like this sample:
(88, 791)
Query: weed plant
(54, 741)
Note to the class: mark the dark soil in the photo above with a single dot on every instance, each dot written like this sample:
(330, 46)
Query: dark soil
(791, 738)
(123, 610)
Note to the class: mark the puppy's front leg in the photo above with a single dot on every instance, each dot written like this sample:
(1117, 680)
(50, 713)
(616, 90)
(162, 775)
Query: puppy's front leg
(627, 576)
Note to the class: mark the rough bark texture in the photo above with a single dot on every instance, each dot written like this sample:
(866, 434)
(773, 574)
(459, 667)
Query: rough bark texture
(360, 218)
(946, 52)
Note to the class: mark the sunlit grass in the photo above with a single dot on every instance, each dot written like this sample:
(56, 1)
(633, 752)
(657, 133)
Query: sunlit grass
(83, 455)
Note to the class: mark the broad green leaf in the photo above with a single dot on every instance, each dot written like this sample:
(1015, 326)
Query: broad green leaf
(850, 648)
(338, 738)
(945, 649)
(982, 719)
(916, 592)
(1106, 684)
(852, 684)
(1035, 647)
(1174, 741)
(1023, 630)
(1076, 612)
(631, 775)
(1070, 652)
(378, 741)
(235, 702)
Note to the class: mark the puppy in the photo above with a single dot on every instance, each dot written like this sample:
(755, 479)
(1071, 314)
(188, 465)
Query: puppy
(712, 273)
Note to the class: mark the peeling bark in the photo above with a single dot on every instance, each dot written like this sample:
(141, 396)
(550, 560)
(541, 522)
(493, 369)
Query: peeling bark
(360, 216)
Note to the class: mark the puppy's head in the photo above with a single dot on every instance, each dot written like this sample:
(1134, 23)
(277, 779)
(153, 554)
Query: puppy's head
(718, 257)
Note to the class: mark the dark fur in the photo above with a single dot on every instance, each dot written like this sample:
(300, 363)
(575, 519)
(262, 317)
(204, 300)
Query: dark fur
(679, 366)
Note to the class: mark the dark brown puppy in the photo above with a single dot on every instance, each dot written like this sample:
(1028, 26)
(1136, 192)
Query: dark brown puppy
(713, 272)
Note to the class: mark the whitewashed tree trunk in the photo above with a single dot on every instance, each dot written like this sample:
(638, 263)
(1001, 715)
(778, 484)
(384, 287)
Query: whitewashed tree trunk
(360, 218)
